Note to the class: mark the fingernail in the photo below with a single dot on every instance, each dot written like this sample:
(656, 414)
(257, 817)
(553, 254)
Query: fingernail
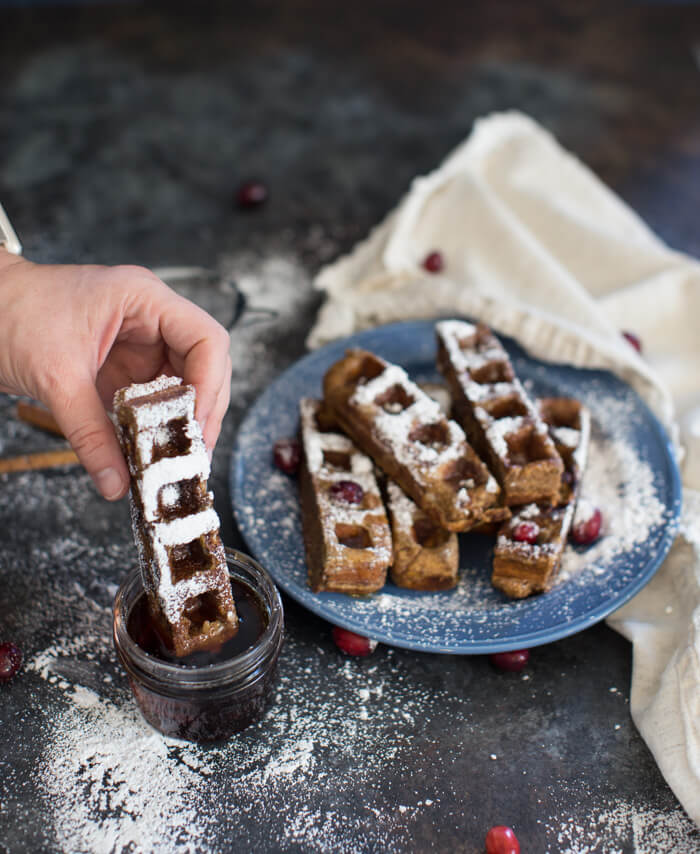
(109, 483)
(210, 453)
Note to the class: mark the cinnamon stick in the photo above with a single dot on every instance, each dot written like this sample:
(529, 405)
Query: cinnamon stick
(41, 460)
(39, 416)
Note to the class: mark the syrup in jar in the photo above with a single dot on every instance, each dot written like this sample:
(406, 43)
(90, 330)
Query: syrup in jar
(252, 621)
(207, 695)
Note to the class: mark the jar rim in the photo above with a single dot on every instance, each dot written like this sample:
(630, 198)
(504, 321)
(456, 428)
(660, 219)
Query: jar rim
(206, 675)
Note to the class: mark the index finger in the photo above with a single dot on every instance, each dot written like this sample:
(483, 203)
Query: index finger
(198, 349)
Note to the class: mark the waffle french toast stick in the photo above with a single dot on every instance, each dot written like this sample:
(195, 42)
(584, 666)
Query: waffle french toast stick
(390, 418)
(498, 416)
(426, 557)
(346, 530)
(530, 545)
(175, 526)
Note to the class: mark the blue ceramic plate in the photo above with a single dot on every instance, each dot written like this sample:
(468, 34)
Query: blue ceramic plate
(631, 475)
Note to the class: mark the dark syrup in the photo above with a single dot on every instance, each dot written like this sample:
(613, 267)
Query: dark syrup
(151, 637)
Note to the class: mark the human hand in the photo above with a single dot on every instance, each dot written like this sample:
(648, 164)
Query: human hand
(70, 336)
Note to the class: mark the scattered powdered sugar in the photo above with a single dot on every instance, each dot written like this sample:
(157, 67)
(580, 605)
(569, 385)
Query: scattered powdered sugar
(622, 486)
(110, 783)
(277, 290)
(690, 520)
(127, 785)
(585, 510)
(611, 828)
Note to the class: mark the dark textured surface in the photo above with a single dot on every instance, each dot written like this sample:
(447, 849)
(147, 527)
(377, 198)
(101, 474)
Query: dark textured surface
(124, 132)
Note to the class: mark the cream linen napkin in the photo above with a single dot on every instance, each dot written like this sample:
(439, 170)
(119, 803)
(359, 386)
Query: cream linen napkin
(535, 245)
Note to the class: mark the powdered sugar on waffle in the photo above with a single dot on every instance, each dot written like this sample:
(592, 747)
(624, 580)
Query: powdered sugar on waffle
(173, 595)
(148, 440)
(535, 550)
(169, 471)
(153, 416)
(568, 436)
(499, 429)
(394, 428)
(489, 391)
(159, 384)
(466, 358)
(403, 508)
(361, 472)
(452, 332)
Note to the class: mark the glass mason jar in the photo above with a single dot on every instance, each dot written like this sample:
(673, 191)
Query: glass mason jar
(213, 701)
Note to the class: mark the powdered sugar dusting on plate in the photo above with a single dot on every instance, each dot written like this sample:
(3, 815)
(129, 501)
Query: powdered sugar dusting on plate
(622, 486)
(629, 475)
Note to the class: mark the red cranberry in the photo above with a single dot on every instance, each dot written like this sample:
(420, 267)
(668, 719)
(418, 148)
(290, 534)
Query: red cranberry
(348, 491)
(502, 840)
(587, 530)
(526, 532)
(513, 661)
(351, 643)
(434, 262)
(286, 454)
(251, 194)
(10, 661)
(634, 340)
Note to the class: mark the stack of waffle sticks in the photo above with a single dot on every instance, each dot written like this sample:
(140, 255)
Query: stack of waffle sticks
(388, 480)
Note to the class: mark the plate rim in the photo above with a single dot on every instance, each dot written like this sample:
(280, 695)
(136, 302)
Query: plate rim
(314, 602)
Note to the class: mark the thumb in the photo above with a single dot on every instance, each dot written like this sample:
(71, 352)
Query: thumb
(84, 422)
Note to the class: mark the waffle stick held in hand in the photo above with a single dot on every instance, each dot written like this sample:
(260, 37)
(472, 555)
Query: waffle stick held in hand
(175, 526)
(392, 420)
